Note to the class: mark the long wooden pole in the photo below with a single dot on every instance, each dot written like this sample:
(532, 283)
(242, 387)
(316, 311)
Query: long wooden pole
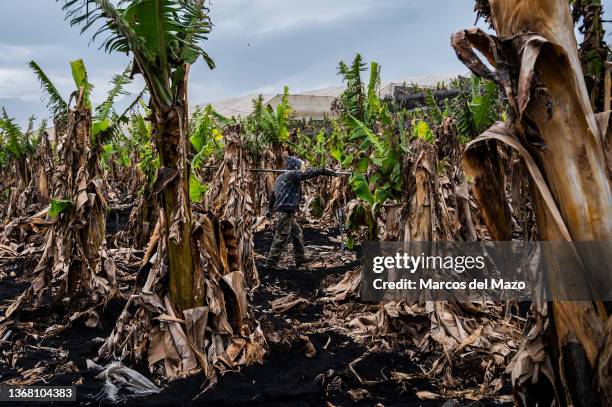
(278, 171)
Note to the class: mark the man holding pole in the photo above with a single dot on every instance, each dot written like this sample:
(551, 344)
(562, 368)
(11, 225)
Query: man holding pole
(285, 201)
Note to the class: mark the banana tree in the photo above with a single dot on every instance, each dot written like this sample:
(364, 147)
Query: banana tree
(18, 152)
(163, 37)
(476, 108)
(75, 265)
(593, 51)
(143, 164)
(552, 127)
(144, 155)
(313, 143)
(269, 128)
(108, 123)
(207, 141)
(19, 145)
(266, 137)
(176, 281)
(369, 143)
(353, 100)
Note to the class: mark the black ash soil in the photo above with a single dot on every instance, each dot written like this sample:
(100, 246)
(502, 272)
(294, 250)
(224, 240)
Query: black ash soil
(287, 378)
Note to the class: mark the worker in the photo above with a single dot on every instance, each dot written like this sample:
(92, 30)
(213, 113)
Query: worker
(285, 201)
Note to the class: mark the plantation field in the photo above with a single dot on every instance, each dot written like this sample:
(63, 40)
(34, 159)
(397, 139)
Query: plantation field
(158, 252)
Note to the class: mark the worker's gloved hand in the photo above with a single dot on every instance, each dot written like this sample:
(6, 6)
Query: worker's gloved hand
(268, 215)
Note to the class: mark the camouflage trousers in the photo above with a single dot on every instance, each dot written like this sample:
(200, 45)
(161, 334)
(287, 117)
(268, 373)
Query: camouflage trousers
(287, 228)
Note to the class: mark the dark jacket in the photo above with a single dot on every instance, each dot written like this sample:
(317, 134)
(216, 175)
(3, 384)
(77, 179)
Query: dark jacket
(287, 193)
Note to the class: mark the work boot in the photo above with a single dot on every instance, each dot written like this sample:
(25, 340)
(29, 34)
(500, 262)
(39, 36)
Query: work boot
(300, 261)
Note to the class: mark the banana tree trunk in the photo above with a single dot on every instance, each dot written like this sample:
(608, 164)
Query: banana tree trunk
(425, 214)
(44, 157)
(229, 205)
(593, 50)
(142, 220)
(456, 187)
(170, 134)
(552, 126)
(25, 173)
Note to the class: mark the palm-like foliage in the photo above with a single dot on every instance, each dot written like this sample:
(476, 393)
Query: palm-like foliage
(140, 142)
(119, 81)
(266, 126)
(106, 118)
(17, 147)
(476, 108)
(353, 97)
(55, 102)
(162, 35)
(206, 138)
(207, 141)
(17, 143)
(371, 146)
(360, 100)
(275, 123)
(12, 135)
(436, 114)
(314, 148)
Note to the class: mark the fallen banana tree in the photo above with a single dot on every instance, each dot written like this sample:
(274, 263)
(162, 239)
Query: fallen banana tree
(551, 126)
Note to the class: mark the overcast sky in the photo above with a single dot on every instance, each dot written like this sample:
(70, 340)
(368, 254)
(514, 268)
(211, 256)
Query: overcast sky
(258, 46)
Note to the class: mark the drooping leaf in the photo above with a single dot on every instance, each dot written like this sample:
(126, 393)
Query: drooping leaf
(360, 131)
(163, 36)
(55, 103)
(196, 189)
(103, 112)
(99, 126)
(59, 206)
(359, 185)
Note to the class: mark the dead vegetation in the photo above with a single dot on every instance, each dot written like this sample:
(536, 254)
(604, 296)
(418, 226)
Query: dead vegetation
(177, 294)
